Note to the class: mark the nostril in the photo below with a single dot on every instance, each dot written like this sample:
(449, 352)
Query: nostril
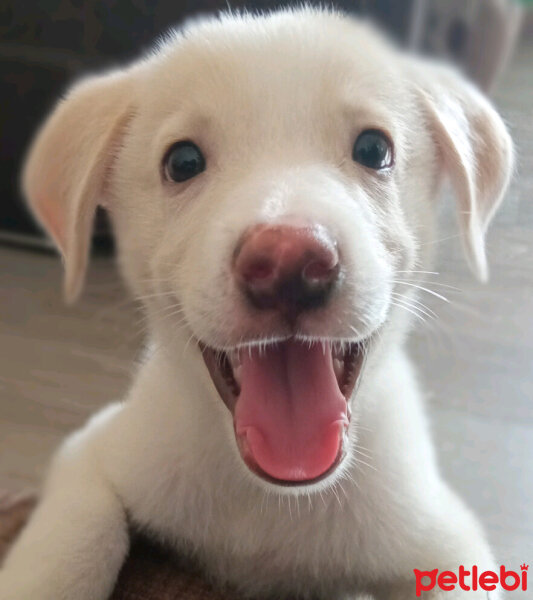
(258, 271)
(320, 271)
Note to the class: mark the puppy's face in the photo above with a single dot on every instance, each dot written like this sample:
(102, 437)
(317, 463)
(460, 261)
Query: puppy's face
(269, 181)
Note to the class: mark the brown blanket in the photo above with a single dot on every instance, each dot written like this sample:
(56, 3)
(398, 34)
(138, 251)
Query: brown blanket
(148, 574)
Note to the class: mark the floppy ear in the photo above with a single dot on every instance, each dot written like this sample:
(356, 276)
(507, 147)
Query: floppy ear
(64, 177)
(475, 151)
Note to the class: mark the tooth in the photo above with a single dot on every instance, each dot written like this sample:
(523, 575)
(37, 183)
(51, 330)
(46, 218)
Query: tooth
(338, 351)
(234, 358)
(345, 438)
(237, 374)
(338, 367)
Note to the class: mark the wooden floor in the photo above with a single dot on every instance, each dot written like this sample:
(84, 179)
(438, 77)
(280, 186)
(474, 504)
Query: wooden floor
(58, 364)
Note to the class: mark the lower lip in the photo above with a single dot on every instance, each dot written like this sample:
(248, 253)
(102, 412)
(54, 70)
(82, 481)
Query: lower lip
(256, 469)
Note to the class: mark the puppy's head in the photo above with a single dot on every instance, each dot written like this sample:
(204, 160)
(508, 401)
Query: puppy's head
(269, 180)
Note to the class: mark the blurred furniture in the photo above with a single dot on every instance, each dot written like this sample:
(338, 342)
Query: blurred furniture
(479, 35)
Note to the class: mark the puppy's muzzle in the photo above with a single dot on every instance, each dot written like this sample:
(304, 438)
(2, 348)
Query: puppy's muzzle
(285, 268)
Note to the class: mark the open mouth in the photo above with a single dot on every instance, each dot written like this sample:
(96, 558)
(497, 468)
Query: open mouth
(290, 404)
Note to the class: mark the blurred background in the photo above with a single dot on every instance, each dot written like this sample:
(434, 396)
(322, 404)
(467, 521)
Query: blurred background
(45, 44)
(59, 364)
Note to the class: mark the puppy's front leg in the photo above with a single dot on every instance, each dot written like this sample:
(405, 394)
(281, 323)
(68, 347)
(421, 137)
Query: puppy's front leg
(459, 541)
(76, 541)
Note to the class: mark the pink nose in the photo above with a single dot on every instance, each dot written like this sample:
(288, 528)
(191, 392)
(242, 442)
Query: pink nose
(287, 268)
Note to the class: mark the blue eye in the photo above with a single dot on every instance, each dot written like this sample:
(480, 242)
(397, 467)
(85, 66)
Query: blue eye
(183, 161)
(373, 149)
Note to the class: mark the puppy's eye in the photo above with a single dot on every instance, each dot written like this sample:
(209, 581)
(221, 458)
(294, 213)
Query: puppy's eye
(183, 161)
(373, 149)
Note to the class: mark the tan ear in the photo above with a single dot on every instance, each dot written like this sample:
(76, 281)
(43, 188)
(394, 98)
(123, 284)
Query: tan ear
(65, 172)
(475, 149)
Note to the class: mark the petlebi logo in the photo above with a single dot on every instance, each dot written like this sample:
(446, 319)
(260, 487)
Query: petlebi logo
(471, 579)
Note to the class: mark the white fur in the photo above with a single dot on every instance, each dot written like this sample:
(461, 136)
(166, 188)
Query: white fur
(275, 103)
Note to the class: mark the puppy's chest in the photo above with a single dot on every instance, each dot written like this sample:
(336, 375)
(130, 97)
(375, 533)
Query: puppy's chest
(231, 534)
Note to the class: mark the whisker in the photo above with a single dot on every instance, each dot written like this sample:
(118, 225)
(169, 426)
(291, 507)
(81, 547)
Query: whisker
(156, 295)
(356, 449)
(416, 314)
(362, 462)
(351, 478)
(433, 283)
(424, 289)
(429, 313)
(334, 490)
(445, 239)
(423, 272)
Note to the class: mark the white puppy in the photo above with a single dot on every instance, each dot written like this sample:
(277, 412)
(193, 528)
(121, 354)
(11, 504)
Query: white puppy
(268, 179)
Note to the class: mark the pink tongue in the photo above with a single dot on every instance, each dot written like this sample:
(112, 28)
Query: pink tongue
(290, 414)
